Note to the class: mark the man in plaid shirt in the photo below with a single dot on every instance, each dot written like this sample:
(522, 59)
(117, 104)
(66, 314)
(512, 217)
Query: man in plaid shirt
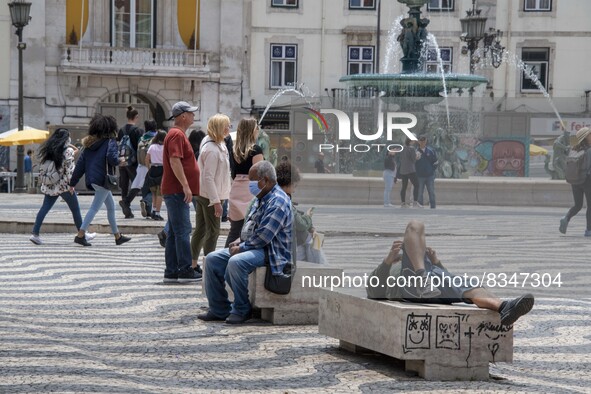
(268, 227)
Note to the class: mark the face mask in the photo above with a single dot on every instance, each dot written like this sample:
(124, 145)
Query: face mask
(253, 187)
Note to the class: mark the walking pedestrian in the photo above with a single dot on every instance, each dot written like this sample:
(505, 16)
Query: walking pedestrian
(96, 160)
(582, 190)
(154, 160)
(137, 186)
(57, 158)
(214, 186)
(246, 153)
(128, 138)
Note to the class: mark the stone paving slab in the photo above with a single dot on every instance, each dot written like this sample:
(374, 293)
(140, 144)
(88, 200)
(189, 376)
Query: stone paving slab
(97, 319)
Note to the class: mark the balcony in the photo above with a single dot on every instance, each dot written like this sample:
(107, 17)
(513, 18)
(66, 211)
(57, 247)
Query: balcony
(134, 61)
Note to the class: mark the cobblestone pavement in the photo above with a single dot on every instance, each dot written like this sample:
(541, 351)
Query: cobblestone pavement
(98, 319)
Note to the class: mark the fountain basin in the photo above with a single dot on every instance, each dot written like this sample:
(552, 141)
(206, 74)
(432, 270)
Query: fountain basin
(412, 85)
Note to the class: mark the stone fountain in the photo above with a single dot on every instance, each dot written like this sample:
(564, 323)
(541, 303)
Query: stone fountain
(412, 82)
(413, 89)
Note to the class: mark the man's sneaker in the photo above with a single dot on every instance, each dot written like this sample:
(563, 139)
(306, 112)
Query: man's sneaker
(210, 317)
(143, 208)
(171, 278)
(162, 238)
(36, 239)
(563, 225)
(81, 241)
(587, 233)
(418, 204)
(403, 205)
(512, 310)
(190, 276)
(89, 236)
(237, 319)
(388, 205)
(122, 239)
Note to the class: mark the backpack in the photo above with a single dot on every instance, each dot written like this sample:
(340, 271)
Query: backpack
(48, 174)
(576, 167)
(142, 148)
(127, 154)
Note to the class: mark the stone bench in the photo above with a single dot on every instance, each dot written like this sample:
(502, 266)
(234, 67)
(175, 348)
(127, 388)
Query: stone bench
(300, 306)
(439, 342)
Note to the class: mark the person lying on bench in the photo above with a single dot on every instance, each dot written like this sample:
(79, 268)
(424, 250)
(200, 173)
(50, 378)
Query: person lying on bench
(412, 264)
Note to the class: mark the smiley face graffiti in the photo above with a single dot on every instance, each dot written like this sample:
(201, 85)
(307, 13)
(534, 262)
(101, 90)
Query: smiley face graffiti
(418, 331)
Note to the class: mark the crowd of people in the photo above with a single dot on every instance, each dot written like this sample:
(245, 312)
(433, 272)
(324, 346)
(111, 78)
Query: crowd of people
(179, 167)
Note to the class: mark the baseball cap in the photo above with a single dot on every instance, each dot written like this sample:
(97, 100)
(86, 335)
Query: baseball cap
(182, 107)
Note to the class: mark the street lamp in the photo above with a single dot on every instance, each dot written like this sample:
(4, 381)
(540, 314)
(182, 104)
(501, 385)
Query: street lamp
(19, 14)
(473, 31)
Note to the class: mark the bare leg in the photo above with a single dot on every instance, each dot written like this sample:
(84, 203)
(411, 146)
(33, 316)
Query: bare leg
(483, 298)
(415, 244)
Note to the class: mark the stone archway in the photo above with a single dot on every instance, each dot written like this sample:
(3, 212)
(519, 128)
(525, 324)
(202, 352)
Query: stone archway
(148, 106)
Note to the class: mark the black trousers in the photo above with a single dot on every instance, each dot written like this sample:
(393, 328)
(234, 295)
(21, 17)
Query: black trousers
(415, 189)
(581, 192)
(126, 177)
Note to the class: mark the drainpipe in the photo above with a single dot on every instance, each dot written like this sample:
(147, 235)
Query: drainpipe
(379, 5)
(322, 32)
(509, 47)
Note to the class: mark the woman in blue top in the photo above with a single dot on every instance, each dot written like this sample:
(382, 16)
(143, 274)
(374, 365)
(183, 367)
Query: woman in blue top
(99, 154)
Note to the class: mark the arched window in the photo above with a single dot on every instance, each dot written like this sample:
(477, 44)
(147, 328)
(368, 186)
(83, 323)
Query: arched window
(132, 23)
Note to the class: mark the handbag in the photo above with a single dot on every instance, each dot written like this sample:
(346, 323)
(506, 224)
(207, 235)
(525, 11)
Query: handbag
(278, 284)
(111, 182)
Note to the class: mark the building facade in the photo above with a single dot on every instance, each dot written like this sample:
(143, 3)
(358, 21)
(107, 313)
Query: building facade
(233, 56)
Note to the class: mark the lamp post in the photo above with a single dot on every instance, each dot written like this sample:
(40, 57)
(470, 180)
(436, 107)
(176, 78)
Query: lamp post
(19, 14)
(473, 31)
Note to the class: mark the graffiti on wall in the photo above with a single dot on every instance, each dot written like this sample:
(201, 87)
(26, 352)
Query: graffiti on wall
(507, 157)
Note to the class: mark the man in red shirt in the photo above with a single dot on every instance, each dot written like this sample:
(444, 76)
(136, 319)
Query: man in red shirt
(180, 182)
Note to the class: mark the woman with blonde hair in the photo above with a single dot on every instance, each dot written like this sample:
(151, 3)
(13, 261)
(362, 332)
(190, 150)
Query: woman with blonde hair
(246, 153)
(214, 187)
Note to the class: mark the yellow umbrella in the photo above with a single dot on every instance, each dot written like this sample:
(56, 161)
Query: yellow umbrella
(535, 150)
(25, 137)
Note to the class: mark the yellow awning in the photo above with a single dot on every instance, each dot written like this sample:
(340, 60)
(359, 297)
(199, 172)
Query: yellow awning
(25, 137)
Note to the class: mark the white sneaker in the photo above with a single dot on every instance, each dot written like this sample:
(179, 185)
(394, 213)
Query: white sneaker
(36, 239)
(403, 205)
(417, 205)
(90, 236)
(388, 205)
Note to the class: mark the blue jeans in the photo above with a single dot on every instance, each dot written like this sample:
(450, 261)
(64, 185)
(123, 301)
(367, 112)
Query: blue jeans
(177, 252)
(225, 209)
(428, 181)
(166, 228)
(220, 268)
(49, 201)
(388, 184)
(101, 195)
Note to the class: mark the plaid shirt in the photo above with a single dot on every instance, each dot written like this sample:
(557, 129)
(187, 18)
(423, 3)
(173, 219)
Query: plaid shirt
(273, 220)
